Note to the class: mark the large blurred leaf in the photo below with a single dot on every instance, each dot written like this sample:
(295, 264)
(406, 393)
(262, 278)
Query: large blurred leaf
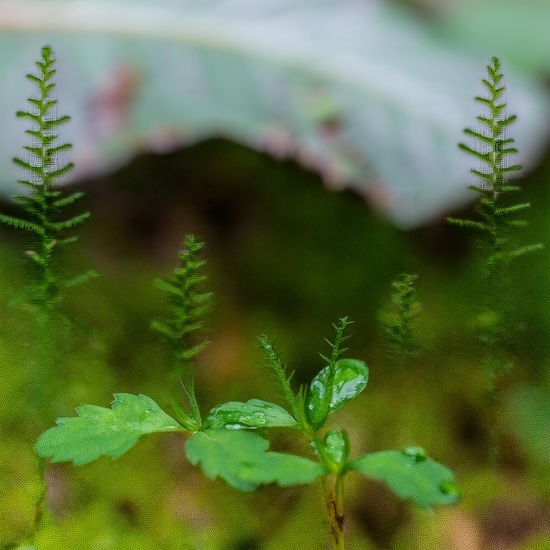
(98, 431)
(240, 458)
(359, 91)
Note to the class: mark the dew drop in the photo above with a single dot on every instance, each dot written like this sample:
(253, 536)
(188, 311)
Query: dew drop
(260, 418)
(416, 453)
(449, 488)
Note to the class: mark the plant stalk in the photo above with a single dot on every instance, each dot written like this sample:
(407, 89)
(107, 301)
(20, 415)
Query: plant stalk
(334, 500)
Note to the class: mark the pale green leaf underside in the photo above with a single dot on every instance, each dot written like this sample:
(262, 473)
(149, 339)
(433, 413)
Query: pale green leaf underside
(425, 482)
(377, 104)
(255, 413)
(98, 431)
(240, 457)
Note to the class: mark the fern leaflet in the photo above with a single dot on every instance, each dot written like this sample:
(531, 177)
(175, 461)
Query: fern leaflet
(44, 201)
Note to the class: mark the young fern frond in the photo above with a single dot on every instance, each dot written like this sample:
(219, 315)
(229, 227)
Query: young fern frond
(496, 228)
(336, 351)
(340, 338)
(398, 324)
(279, 370)
(319, 398)
(44, 202)
(493, 151)
(187, 307)
(497, 213)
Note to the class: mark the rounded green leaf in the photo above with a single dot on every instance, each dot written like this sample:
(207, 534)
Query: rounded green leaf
(410, 474)
(317, 404)
(253, 414)
(350, 378)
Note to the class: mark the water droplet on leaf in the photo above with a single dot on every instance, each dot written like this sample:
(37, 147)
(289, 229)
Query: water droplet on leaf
(449, 488)
(416, 453)
(259, 418)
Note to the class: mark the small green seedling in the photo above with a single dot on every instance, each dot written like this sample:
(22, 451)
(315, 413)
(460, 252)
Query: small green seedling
(231, 442)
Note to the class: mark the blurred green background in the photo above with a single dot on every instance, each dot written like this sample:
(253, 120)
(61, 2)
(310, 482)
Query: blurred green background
(286, 257)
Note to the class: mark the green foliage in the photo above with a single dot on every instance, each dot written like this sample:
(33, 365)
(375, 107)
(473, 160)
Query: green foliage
(240, 458)
(225, 446)
(398, 323)
(496, 234)
(349, 379)
(232, 442)
(255, 413)
(279, 370)
(187, 305)
(320, 393)
(186, 308)
(98, 431)
(493, 151)
(337, 446)
(43, 201)
(410, 474)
